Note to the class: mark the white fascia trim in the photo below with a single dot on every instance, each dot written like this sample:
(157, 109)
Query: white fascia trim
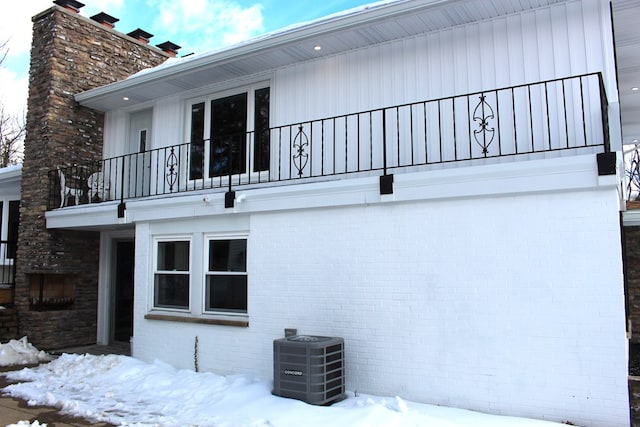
(534, 176)
(11, 173)
(631, 218)
(95, 215)
(564, 174)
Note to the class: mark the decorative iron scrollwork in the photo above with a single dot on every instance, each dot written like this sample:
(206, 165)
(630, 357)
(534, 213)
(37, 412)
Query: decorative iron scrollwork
(301, 158)
(172, 174)
(485, 134)
(633, 175)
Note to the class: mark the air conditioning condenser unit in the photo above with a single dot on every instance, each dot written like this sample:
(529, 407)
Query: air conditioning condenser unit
(309, 368)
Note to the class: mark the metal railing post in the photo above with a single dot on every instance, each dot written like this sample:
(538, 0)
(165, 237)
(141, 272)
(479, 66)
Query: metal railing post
(604, 108)
(386, 180)
(121, 206)
(230, 195)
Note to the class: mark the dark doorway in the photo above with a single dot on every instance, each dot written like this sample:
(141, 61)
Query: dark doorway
(123, 299)
(228, 135)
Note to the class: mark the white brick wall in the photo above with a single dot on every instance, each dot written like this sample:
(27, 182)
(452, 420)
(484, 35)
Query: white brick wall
(509, 304)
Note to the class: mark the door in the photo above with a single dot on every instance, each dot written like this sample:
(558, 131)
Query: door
(139, 167)
(228, 136)
(123, 298)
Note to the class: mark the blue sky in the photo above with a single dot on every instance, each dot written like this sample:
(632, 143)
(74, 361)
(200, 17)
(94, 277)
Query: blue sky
(196, 25)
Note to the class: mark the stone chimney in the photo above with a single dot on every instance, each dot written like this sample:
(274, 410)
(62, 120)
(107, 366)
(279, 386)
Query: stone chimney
(69, 54)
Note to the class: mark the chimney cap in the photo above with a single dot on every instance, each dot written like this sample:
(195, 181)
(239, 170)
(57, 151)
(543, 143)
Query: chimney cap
(105, 18)
(140, 34)
(70, 4)
(169, 47)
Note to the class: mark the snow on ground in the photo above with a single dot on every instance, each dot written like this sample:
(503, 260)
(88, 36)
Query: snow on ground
(21, 352)
(27, 424)
(125, 391)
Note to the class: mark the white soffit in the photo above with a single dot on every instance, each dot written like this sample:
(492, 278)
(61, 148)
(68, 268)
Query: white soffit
(360, 27)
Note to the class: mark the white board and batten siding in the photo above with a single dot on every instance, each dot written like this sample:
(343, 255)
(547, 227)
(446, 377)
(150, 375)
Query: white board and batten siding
(558, 41)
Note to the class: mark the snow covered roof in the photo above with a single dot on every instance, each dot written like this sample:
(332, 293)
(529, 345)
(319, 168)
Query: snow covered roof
(11, 173)
(359, 27)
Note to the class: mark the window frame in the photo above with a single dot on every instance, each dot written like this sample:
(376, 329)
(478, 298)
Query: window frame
(250, 173)
(155, 271)
(206, 273)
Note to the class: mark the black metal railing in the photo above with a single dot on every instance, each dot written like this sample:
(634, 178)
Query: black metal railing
(8, 249)
(524, 120)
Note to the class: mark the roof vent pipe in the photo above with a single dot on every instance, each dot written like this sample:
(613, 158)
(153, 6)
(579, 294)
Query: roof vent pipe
(72, 5)
(105, 19)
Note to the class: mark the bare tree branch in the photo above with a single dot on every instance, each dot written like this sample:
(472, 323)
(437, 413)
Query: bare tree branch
(12, 127)
(12, 132)
(4, 50)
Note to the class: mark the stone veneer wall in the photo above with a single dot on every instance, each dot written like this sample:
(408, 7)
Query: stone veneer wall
(632, 278)
(8, 324)
(69, 54)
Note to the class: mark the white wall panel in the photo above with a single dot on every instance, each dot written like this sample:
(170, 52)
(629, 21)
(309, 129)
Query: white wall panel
(168, 123)
(115, 134)
(511, 305)
(547, 43)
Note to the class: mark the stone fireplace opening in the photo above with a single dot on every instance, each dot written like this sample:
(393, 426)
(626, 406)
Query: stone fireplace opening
(50, 291)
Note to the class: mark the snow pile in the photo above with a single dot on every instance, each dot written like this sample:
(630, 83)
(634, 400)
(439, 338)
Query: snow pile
(21, 352)
(28, 424)
(125, 391)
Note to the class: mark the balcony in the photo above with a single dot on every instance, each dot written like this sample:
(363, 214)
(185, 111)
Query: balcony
(7, 271)
(545, 119)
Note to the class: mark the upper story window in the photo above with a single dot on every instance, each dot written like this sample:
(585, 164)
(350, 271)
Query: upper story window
(12, 227)
(229, 134)
(9, 226)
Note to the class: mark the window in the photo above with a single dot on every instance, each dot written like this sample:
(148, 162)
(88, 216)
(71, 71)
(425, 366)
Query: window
(171, 275)
(12, 227)
(221, 141)
(142, 139)
(226, 276)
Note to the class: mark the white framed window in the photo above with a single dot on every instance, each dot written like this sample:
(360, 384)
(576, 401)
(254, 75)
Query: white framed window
(229, 133)
(172, 273)
(226, 277)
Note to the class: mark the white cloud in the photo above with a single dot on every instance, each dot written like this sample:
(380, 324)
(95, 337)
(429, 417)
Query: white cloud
(15, 25)
(202, 25)
(15, 30)
(107, 6)
(13, 92)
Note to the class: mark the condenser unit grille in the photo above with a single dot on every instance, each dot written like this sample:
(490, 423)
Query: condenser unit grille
(309, 368)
